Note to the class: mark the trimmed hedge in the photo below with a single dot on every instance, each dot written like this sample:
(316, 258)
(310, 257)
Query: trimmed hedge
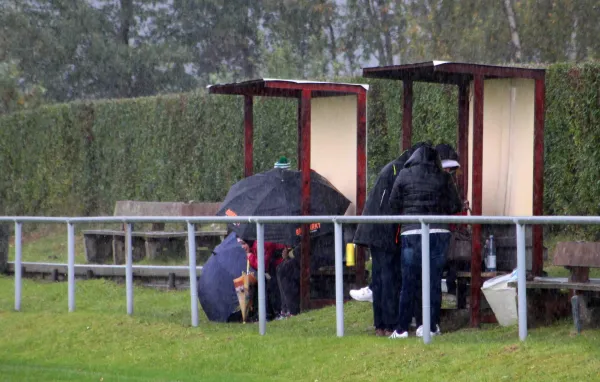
(79, 158)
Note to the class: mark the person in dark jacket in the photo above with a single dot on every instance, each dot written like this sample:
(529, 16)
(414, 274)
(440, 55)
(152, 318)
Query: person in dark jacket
(386, 276)
(450, 164)
(422, 188)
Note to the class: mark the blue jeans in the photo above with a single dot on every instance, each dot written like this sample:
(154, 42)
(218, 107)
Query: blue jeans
(386, 279)
(410, 297)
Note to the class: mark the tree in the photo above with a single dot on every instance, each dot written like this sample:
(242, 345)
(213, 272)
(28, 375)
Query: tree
(14, 93)
(380, 25)
(223, 36)
(79, 51)
(514, 32)
(306, 31)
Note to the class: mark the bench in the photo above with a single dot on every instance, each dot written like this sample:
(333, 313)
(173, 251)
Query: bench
(105, 246)
(578, 257)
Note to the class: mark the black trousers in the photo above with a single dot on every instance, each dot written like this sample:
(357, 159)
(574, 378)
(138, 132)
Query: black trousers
(288, 279)
(386, 282)
(272, 295)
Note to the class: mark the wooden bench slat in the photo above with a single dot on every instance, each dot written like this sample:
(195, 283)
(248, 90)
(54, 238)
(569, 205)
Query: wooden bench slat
(577, 254)
(489, 275)
(136, 208)
(559, 283)
(101, 245)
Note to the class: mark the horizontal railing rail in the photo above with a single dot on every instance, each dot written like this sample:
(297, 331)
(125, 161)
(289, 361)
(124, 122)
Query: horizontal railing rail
(519, 221)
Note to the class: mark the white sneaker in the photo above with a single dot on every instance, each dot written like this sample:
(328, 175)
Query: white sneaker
(436, 333)
(397, 335)
(363, 294)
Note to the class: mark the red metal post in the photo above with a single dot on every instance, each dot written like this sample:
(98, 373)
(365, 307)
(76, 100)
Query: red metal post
(407, 108)
(305, 116)
(299, 143)
(248, 136)
(463, 138)
(361, 175)
(538, 176)
(477, 200)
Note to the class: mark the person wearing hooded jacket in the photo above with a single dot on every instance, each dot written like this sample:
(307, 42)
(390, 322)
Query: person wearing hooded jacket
(450, 164)
(386, 276)
(422, 188)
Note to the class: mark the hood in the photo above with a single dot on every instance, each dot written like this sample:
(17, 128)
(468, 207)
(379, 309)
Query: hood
(425, 155)
(402, 159)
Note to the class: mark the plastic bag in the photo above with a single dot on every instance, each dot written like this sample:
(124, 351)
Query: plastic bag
(502, 298)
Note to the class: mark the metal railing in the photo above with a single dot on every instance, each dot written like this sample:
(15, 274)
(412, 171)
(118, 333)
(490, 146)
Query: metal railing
(260, 221)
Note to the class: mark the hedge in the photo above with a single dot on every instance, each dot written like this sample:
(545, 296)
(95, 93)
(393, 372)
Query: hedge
(79, 158)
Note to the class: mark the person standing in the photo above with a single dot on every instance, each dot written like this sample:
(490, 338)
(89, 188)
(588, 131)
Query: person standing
(451, 165)
(422, 188)
(386, 275)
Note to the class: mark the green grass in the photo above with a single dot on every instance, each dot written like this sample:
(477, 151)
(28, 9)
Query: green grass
(99, 342)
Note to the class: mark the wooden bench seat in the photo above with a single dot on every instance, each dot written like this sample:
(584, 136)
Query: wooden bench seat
(561, 283)
(104, 246)
(578, 257)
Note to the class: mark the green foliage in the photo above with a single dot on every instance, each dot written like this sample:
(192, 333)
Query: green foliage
(13, 95)
(572, 138)
(79, 158)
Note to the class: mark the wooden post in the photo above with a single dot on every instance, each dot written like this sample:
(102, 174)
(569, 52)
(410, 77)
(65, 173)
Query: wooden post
(248, 136)
(407, 101)
(299, 143)
(4, 236)
(477, 200)
(305, 116)
(538, 176)
(361, 176)
(463, 138)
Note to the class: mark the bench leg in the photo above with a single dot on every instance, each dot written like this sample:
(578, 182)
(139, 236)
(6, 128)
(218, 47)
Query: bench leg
(98, 249)
(461, 294)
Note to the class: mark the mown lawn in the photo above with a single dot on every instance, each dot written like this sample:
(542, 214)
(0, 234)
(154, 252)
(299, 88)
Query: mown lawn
(99, 342)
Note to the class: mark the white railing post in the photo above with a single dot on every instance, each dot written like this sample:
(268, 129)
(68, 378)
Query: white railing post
(193, 277)
(522, 281)
(262, 301)
(339, 280)
(129, 268)
(18, 266)
(425, 274)
(71, 265)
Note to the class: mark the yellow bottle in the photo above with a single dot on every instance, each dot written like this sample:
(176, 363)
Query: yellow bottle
(350, 259)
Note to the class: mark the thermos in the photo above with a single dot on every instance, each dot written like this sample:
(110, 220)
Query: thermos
(490, 258)
(350, 259)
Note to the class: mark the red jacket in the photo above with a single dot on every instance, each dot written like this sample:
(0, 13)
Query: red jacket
(270, 248)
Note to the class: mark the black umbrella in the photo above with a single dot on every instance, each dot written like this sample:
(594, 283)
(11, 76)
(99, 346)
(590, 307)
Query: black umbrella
(215, 287)
(277, 192)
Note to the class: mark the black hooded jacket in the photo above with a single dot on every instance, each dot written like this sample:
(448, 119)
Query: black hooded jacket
(423, 188)
(381, 236)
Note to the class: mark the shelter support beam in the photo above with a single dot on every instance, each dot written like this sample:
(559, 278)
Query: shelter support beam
(477, 200)
(538, 176)
(361, 176)
(407, 108)
(463, 138)
(305, 117)
(299, 122)
(248, 136)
